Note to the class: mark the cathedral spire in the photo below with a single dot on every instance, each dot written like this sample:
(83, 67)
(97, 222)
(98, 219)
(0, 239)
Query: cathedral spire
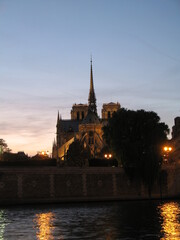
(54, 143)
(58, 118)
(92, 96)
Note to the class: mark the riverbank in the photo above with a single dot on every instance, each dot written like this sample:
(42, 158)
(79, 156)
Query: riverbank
(20, 185)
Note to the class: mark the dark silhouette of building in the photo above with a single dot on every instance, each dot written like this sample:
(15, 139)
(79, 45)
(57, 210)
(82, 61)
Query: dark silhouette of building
(175, 141)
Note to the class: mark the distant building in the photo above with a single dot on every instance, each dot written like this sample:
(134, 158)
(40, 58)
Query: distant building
(84, 125)
(176, 139)
(20, 156)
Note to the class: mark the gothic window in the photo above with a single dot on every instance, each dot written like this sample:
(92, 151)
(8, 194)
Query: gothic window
(109, 114)
(91, 133)
(82, 114)
(77, 115)
(91, 138)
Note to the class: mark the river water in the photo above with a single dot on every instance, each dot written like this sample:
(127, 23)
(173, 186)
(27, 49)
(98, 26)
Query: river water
(109, 220)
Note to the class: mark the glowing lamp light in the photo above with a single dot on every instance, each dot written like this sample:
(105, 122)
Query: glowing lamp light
(167, 149)
(108, 156)
(43, 153)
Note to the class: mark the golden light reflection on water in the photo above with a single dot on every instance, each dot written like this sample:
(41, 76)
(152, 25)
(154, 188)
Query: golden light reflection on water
(2, 225)
(44, 226)
(170, 213)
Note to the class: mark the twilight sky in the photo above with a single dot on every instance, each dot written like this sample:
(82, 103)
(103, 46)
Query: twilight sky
(45, 49)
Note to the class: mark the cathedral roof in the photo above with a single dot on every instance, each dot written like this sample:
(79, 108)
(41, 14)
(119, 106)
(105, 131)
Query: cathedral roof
(111, 103)
(69, 125)
(91, 118)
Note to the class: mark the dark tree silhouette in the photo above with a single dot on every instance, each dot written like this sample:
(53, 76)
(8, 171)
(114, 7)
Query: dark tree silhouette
(3, 148)
(77, 154)
(3, 144)
(136, 138)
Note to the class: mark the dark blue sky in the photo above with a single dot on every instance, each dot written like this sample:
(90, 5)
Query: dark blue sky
(45, 48)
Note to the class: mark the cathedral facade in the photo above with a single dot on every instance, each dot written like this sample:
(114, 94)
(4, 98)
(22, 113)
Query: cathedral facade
(84, 125)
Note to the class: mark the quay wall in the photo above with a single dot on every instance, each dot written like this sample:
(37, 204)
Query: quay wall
(52, 184)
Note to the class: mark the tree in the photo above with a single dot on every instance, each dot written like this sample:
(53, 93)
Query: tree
(77, 154)
(3, 148)
(136, 138)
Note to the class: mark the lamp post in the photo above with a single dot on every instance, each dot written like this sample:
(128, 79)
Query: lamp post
(166, 152)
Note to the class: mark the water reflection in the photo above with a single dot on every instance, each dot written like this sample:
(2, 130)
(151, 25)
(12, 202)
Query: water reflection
(2, 225)
(44, 226)
(107, 221)
(170, 213)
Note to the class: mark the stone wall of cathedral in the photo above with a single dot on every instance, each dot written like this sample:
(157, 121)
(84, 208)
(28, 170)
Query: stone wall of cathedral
(108, 109)
(79, 111)
(83, 130)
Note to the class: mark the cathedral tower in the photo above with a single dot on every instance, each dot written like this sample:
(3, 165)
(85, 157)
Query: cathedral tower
(92, 96)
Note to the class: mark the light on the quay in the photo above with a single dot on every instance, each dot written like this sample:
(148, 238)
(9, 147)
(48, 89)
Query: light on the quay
(107, 156)
(167, 149)
(44, 153)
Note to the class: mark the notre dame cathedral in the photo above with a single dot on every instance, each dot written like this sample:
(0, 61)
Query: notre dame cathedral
(84, 125)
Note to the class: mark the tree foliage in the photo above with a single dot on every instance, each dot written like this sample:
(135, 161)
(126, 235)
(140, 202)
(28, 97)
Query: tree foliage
(3, 148)
(136, 138)
(77, 154)
(3, 144)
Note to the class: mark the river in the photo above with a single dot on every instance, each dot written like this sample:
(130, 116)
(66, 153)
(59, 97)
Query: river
(100, 220)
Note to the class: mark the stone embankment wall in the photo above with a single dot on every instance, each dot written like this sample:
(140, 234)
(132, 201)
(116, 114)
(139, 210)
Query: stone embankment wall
(52, 184)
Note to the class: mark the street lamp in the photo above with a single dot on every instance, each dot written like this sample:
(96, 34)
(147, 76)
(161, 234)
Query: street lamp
(108, 155)
(166, 152)
(167, 149)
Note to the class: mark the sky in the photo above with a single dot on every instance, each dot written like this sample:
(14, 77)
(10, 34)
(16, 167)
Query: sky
(45, 50)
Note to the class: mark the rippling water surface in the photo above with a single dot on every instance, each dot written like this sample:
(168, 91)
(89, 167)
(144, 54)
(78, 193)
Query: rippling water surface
(112, 220)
